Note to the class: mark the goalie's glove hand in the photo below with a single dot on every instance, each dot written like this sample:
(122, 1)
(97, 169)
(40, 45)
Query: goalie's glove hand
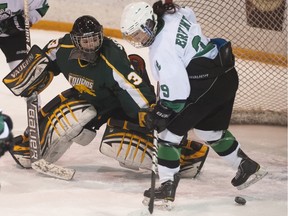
(6, 137)
(13, 25)
(157, 117)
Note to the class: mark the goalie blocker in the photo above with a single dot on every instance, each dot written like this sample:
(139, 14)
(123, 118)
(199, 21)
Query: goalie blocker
(132, 146)
(30, 75)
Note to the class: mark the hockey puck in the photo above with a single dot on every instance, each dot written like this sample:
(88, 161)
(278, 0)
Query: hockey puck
(240, 200)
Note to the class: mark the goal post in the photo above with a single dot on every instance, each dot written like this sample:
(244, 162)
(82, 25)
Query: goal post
(257, 30)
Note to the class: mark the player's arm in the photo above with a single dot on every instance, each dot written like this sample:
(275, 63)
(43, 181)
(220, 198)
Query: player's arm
(174, 89)
(15, 23)
(130, 87)
(37, 9)
(50, 50)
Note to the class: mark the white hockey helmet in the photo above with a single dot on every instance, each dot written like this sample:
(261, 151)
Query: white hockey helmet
(139, 24)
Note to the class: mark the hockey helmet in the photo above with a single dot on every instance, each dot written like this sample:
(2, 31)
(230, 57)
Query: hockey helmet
(139, 24)
(87, 34)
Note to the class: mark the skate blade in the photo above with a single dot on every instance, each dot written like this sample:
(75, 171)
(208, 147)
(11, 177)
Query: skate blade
(261, 173)
(165, 205)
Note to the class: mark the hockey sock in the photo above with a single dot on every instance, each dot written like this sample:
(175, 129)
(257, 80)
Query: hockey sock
(168, 161)
(227, 148)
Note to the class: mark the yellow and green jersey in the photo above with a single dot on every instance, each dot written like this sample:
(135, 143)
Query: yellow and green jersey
(109, 83)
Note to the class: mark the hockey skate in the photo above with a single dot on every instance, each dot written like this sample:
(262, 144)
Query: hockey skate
(193, 156)
(249, 172)
(164, 195)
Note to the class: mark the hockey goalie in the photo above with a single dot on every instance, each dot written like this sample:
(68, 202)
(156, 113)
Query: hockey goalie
(107, 87)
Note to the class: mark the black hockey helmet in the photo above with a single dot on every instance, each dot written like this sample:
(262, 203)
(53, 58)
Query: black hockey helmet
(87, 34)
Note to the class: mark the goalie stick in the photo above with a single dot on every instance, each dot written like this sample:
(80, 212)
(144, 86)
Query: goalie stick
(37, 163)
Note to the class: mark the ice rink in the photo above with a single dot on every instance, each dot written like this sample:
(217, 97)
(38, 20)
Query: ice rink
(102, 188)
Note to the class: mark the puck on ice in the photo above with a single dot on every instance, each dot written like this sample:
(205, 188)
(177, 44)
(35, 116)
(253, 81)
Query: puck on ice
(240, 200)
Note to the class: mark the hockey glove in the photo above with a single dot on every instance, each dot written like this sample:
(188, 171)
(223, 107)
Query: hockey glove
(6, 137)
(12, 25)
(157, 117)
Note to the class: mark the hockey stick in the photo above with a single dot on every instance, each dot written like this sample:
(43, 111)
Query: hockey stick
(37, 163)
(153, 172)
(154, 162)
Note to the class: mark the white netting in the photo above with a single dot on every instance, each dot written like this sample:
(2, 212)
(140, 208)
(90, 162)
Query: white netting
(258, 32)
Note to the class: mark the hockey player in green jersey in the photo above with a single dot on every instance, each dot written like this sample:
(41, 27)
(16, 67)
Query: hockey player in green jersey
(104, 82)
(98, 68)
(106, 85)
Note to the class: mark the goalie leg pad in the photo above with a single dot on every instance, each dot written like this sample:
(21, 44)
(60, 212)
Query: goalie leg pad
(21, 151)
(61, 122)
(132, 146)
(62, 125)
(193, 156)
(132, 149)
(85, 137)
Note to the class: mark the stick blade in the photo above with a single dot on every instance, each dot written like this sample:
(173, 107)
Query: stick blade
(53, 170)
(152, 192)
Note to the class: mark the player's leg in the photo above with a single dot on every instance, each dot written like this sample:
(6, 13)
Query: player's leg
(168, 158)
(14, 49)
(169, 151)
(227, 147)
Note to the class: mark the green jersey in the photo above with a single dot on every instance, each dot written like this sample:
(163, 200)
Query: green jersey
(109, 83)
(1, 123)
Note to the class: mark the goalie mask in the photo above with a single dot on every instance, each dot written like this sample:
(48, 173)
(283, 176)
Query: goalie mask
(139, 24)
(87, 37)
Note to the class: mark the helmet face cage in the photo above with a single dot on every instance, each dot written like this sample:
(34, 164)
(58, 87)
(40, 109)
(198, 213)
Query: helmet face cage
(87, 34)
(139, 25)
(89, 43)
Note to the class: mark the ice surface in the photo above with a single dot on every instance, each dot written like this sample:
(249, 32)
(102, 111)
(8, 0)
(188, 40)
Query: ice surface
(102, 188)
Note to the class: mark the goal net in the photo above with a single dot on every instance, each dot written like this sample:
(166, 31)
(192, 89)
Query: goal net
(257, 30)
